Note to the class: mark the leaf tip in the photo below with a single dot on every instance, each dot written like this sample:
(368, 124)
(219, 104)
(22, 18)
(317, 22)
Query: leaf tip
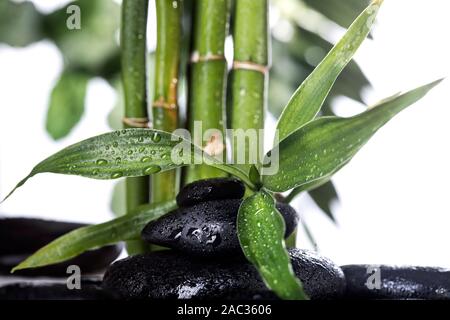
(16, 268)
(21, 183)
(436, 82)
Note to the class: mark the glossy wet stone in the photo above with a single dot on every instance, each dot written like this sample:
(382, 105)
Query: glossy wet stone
(396, 282)
(90, 262)
(210, 189)
(21, 237)
(172, 275)
(206, 229)
(52, 291)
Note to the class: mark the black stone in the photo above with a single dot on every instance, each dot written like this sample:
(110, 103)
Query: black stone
(173, 275)
(397, 282)
(206, 229)
(52, 291)
(25, 235)
(260, 294)
(21, 237)
(290, 217)
(210, 189)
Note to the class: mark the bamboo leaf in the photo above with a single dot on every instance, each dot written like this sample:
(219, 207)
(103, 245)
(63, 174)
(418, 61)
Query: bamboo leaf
(118, 204)
(313, 153)
(128, 153)
(261, 234)
(66, 104)
(322, 192)
(310, 96)
(309, 234)
(80, 240)
(324, 196)
(341, 12)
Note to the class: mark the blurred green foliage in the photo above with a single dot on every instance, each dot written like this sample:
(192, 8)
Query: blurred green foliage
(93, 51)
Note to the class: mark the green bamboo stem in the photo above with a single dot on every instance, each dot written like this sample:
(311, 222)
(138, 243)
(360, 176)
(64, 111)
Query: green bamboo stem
(208, 82)
(165, 104)
(133, 46)
(249, 75)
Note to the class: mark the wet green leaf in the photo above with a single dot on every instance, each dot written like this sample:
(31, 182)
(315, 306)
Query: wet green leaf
(310, 96)
(128, 153)
(66, 104)
(254, 176)
(261, 234)
(313, 153)
(76, 242)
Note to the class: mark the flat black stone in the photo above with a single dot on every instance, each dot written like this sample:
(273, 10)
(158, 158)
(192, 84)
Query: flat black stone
(90, 262)
(173, 275)
(207, 228)
(210, 189)
(25, 235)
(397, 282)
(52, 291)
(21, 237)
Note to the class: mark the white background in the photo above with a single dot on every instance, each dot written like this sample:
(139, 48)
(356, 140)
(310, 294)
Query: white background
(394, 205)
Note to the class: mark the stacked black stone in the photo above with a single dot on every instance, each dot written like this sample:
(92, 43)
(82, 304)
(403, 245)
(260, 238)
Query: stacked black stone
(205, 222)
(206, 261)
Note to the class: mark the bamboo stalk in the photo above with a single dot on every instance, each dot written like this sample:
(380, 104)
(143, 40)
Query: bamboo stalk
(133, 58)
(208, 82)
(250, 69)
(165, 104)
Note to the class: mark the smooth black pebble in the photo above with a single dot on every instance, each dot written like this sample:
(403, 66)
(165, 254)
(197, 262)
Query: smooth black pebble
(173, 275)
(398, 283)
(21, 237)
(52, 291)
(207, 228)
(210, 189)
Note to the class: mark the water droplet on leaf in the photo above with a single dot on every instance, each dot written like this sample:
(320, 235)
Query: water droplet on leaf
(101, 162)
(156, 137)
(151, 170)
(117, 175)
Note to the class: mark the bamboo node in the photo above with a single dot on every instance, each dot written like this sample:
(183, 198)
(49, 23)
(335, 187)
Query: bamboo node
(252, 66)
(214, 146)
(165, 105)
(196, 57)
(136, 122)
